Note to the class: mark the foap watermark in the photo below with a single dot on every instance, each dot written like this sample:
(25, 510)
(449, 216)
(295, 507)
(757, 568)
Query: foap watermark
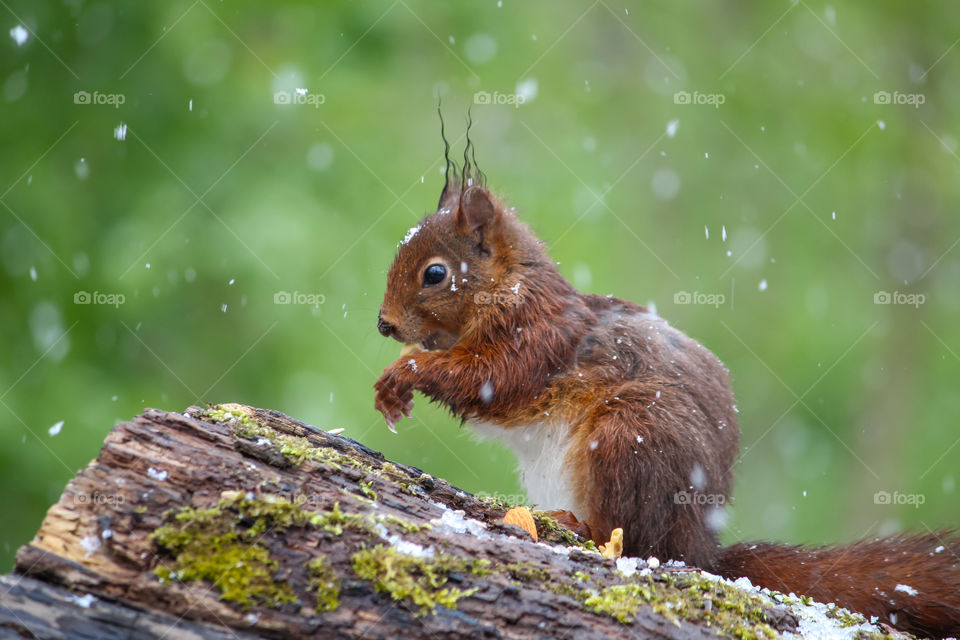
(711, 99)
(898, 97)
(897, 498)
(698, 297)
(299, 96)
(511, 296)
(112, 99)
(504, 499)
(99, 297)
(113, 499)
(309, 501)
(485, 97)
(898, 297)
(299, 297)
(695, 497)
(277, 495)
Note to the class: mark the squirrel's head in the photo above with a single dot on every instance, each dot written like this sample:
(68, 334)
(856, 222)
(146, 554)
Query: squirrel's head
(444, 266)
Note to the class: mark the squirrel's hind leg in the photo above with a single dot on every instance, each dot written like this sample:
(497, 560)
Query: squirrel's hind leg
(633, 476)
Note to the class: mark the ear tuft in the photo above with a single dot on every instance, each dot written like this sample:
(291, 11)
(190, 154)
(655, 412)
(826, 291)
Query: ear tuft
(476, 210)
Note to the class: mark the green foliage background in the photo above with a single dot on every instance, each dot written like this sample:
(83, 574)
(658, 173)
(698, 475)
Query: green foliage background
(823, 194)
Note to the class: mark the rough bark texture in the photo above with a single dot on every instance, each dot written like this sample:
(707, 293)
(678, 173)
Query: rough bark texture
(170, 491)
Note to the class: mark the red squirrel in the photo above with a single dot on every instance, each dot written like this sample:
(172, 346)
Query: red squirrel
(617, 418)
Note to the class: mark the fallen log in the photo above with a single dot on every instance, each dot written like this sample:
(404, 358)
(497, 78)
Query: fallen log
(232, 521)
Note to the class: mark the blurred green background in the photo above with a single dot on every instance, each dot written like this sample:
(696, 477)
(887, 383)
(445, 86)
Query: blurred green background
(785, 185)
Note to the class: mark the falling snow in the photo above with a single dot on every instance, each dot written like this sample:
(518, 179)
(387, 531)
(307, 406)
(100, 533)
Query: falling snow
(19, 34)
(55, 429)
(81, 169)
(526, 90)
(486, 392)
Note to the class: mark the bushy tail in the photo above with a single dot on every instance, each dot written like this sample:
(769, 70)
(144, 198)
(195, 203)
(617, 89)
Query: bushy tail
(909, 582)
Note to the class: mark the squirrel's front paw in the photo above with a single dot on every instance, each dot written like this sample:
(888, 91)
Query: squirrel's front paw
(394, 398)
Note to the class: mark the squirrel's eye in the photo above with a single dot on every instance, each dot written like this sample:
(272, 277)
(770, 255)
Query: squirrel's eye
(434, 274)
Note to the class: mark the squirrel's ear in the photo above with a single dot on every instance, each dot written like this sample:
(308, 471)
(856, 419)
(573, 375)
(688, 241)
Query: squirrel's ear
(476, 210)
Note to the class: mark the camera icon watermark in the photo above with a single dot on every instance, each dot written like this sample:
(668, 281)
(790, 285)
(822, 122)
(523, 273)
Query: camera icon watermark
(714, 300)
(113, 99)
(299, 96)
(99, 297)
(710, 99)
(485, 97)
(897, 498)
(897, 297)
(299, 297)
(899, 98)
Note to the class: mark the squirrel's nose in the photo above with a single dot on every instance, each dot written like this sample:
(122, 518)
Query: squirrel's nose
(384, 327)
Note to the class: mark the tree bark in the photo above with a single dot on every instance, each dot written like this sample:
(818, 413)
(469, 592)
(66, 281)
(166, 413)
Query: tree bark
(129, 548)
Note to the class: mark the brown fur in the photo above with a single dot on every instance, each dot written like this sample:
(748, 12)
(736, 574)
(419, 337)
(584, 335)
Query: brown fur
(513, 343)
(864, 576)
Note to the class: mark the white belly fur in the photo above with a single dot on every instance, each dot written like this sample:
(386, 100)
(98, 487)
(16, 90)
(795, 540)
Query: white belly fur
(541, 449)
